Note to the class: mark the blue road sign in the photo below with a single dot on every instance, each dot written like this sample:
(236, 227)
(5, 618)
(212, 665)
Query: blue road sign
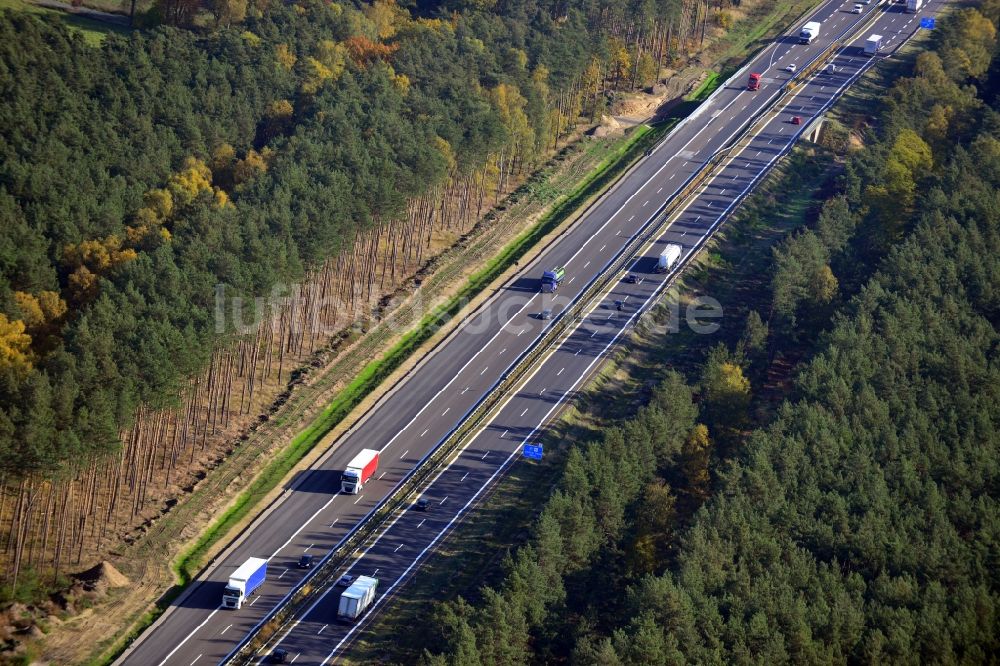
(927, 23)
(533, 451)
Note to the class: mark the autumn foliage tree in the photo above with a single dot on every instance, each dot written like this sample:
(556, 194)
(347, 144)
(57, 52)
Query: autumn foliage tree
(15, 348)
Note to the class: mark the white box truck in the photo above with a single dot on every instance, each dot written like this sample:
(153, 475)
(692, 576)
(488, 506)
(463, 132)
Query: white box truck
(668, 257)
(809, 32)
(914, 6)
(244, 581)
(356, 599)
(873, 45)
(358, 471)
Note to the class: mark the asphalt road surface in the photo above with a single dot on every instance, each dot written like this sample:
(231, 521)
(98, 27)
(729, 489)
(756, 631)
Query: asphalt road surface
(410, 421)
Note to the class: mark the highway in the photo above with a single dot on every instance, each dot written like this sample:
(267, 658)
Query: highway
(434, 398)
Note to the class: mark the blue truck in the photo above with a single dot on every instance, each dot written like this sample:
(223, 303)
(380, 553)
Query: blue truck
(244, 581)
(551, 279)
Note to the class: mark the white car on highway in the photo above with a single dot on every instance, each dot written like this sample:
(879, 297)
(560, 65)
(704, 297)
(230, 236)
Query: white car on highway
(790, 68)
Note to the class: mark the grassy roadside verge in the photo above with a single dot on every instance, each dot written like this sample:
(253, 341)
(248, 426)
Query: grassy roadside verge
(93, 32)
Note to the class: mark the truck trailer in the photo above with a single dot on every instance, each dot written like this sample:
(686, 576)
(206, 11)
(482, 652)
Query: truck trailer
(244, 581)
(873, 45)
(914, 6)
(668, 257)
(809, 32)
(358, 471)
(551, 279)
(356, 599)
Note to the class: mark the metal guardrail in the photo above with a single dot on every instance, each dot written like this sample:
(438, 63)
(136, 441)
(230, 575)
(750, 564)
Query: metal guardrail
(326, 572)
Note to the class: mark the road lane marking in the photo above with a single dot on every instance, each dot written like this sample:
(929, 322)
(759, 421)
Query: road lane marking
(659, 190)
(520, 332)
(464, 391)
(424, 432)
(282, 574)
(602, 247)
(560, 372)
(421, 522)
(448, 409)
(398, 547)
(469, 362)
(294, 534)
(586, 264)
(577, 353)
(445, 499)
(644, 204)
(485, 369)
(359, 498)
(321, 629)
(504, 434)
(255, 600)
(463, 477)
(381, 475)
(334, 522)
(404, 454)
(525, 411)
(225, 630)
(594, 333)
(484, 455)
(197, 658)
(631, 218)
(376, 571)
(571, 280)
(502, 351)
(672, 176)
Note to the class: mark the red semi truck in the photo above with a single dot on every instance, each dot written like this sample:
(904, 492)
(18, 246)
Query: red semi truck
(358, 471)
(754, 83)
